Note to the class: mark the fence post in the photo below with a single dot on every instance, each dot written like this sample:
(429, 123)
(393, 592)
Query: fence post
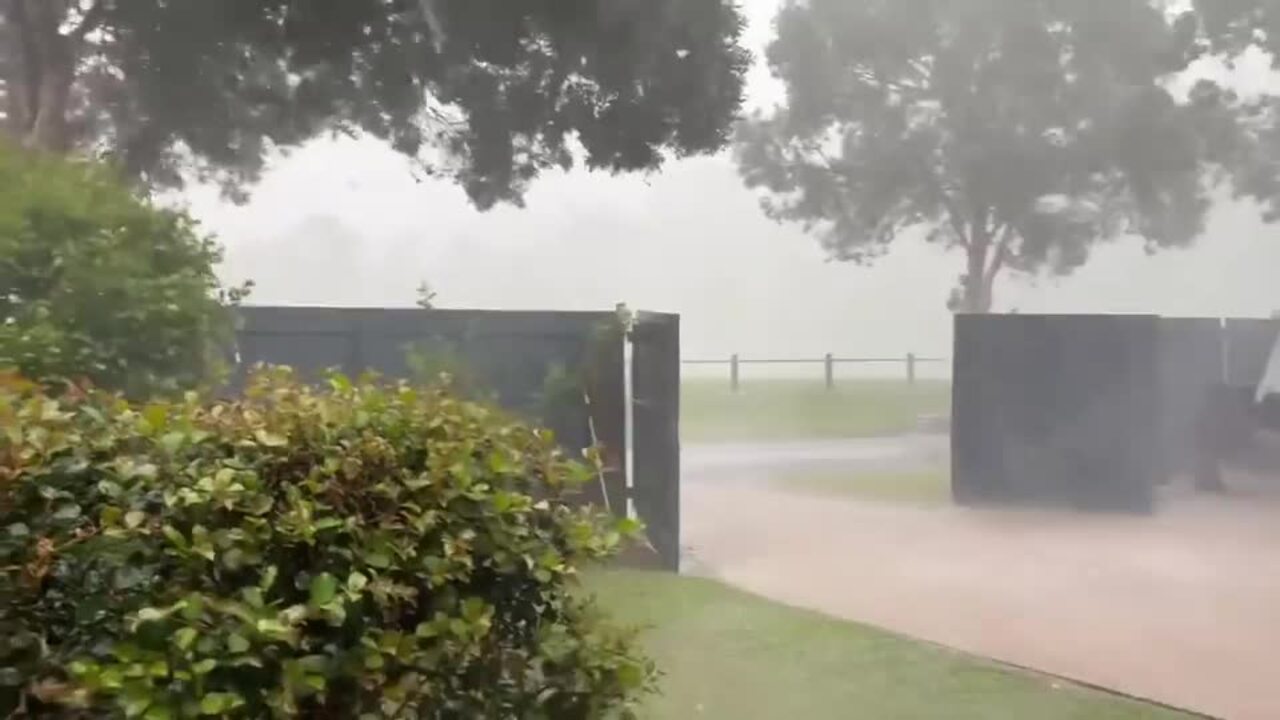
(911, 368)
(829, 364)
(733, 372)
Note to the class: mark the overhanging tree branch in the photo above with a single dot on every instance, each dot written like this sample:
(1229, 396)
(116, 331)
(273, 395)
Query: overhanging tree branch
(873, 78)
(840, 179)
(959, 222)
(90, 77)
(923, 72)
(1004, 250)
(90, 21)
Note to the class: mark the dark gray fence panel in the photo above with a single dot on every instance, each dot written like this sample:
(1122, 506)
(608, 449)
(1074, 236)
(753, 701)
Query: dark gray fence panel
(514, 355)
(978, 415)
(1191, 360)
(1249, 343)
(309, 354)
(311, 341)
(1058, 409)
(655, 381)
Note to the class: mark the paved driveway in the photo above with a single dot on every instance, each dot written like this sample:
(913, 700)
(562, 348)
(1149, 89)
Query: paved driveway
(1182, 607)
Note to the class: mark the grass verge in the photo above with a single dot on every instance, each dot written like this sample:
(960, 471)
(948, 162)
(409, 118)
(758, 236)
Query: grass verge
(773, 410)
(728, 655)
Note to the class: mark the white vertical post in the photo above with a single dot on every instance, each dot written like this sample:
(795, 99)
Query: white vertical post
(628, 404)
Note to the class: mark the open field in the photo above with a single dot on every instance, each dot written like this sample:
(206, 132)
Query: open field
(728, 655)
(773, 410)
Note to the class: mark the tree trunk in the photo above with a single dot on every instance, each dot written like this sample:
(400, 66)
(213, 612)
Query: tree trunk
(49, 125)
(977, 296)
(977, 284)
(41, 71)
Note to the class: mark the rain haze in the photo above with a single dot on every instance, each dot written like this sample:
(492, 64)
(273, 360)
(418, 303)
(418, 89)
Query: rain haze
(926, 367)
(345, 223)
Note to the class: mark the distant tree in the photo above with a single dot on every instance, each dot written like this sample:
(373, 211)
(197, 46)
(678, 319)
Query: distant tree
(426, 296)
(1017, 132)
(486, 92)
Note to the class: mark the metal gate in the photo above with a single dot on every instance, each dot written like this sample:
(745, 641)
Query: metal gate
(655, 430)
(517, 355)
(1061, 409)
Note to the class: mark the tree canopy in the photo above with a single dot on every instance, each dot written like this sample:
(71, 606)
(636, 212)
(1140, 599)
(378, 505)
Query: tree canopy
(486, 92)
(1232, 26)
(1018, 132)
(1247, 143)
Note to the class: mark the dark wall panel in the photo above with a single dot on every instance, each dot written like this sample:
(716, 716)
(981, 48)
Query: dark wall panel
(978, 416)
(1249, 343)
(656, 430)
(1056, 409)
(311, 354)
(1191, 360)
(523, 360)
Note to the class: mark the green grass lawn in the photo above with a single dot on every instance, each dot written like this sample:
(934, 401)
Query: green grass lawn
(765, 410)
(727, 655)
(929, 488)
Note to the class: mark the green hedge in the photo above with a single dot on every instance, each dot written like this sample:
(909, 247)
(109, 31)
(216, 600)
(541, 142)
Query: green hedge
(357, 551)
(96, 283)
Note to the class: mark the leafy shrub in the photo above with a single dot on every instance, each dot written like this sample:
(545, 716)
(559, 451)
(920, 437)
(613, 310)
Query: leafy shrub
(96, 283)
(356, 551)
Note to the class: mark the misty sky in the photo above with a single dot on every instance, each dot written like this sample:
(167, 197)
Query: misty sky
(345, 223)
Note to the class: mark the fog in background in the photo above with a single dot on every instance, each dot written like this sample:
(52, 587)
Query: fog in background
(345, 223)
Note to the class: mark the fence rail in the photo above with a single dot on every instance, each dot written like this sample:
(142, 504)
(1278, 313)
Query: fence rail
(910, 361)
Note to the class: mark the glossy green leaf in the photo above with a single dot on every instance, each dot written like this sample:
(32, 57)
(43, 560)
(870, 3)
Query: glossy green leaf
(185, 637)
(134, 518)
(356, 582)
(237, 644)
(324, 587)
(219, 703)
(269, 439)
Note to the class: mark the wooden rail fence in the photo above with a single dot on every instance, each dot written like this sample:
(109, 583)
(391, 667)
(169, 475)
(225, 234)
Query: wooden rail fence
(910, 361)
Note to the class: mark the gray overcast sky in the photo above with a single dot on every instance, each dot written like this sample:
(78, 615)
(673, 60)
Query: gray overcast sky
(344, 223)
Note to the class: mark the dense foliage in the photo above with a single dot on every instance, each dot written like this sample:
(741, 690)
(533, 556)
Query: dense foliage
(1017, 132)
(97, 284)
(486, 92)
(1232, 30)
(357, 551)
